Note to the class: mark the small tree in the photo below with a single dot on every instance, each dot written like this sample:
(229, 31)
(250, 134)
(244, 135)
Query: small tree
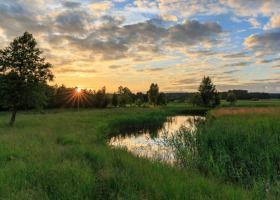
(208, 92)
(153, 93)
(196, 100)
(23, 75)
(231, 98)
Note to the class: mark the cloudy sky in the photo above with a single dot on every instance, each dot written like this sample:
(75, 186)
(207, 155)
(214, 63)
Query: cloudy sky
(133, 43)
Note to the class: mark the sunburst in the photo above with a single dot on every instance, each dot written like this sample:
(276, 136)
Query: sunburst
(77, 97)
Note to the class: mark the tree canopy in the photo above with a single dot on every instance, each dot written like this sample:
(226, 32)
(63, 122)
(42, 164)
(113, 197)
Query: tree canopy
(208, 92)
(23, 75)
(153, 93)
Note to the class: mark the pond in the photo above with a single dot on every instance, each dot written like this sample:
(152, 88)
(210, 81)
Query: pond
(148, 142)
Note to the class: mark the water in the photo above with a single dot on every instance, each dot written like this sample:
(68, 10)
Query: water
(149, 143)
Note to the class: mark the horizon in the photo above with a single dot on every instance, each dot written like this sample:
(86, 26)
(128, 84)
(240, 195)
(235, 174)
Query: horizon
(93, 43)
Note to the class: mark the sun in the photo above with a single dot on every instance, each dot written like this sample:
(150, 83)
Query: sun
(78, 90)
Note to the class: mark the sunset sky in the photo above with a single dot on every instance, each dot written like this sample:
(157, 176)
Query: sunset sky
(174, 43)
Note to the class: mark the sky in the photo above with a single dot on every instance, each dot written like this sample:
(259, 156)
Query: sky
(133, 43)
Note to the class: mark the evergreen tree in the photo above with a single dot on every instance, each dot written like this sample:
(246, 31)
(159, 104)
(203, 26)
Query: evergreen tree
(208, 93)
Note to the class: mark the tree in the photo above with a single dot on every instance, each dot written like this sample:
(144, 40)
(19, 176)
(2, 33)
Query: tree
(161, 100)
(23, 75)
(140, 95)
(115, 100)
(231, 98)
(153, 93)
(208, 92)
(125, 96)
(100, 99)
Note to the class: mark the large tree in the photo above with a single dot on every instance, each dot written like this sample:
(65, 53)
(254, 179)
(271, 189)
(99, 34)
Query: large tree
(23, 75)
(153, 93)
(208, 92)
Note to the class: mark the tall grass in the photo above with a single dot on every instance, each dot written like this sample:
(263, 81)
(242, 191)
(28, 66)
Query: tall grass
(238, 145)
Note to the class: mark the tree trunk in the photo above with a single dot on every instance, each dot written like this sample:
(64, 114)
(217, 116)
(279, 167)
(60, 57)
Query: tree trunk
(13, 118)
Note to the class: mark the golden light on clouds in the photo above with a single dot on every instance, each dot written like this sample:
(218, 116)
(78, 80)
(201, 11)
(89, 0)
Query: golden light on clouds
(134, 43)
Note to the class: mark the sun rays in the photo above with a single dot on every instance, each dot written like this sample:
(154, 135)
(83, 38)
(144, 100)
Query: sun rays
(77, 98)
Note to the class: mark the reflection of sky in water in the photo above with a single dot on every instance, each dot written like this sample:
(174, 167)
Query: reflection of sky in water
(141, 143)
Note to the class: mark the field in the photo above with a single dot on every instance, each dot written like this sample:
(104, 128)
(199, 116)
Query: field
(63, 154)
(249, 103)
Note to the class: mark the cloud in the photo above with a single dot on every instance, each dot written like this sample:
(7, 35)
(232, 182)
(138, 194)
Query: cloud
(115, 66)
(269, 61)
(187, 81)
(191, 32)
(201, 53)
(186, 8)
(274, 22)
(70, 22)
(232, 71)
(254, 23)
(236, 55)
(70, 4)
(110, 40)
(77, 70)
(156, 69)
(265, 80)
(252, 7)
(264, 44)
(16, 16)
(98, 7)
(168, 17)
(236, 64)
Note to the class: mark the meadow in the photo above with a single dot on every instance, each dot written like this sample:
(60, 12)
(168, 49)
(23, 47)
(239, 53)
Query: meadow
(63, 154)
(250, 103)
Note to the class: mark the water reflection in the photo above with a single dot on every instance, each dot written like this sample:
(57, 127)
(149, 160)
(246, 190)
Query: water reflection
(147, 142)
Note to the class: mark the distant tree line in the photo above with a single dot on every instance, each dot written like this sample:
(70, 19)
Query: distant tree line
(245, 95)
(182, 96)
(70, 97)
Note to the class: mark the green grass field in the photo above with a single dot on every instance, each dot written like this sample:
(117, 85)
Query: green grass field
(64, 155)
(249, 103)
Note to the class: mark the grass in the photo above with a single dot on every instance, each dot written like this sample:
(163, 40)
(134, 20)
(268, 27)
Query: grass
(238, 145)
(64, 155)
(249, 103)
